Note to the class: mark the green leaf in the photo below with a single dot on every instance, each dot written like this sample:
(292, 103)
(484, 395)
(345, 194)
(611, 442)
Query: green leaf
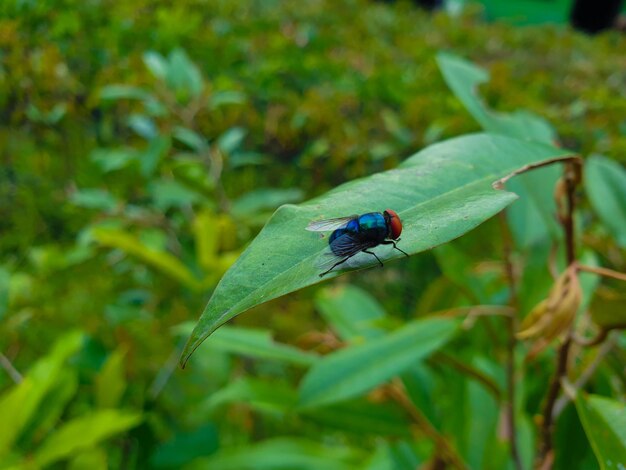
(532, 219)
(357, 369)
(113, 159)
(440, 193)
(169, 193)
(256, 343)
(111, 381)
(231, 140)
(222, 98)
(190, 138)
(183, 76)
(149, 159)
(361, 416)
(253, 202)
(143, 125)
(92, 458)
(161, 260)
(274, 397)
(84, 432)
(605, 182)
(185, 447)
(19, 404)
(5, 283)
(282, 454)
(604, 421)
(156, 63)
(351, 311)
(463, 78)
(94, 198)
(119, 92)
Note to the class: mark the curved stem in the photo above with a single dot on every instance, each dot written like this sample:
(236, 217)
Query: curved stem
(545, 457)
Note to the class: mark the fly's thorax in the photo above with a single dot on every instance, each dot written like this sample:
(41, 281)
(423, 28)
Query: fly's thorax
(373, 227)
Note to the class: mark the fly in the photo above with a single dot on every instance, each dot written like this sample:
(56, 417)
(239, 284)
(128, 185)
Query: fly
(358, 233)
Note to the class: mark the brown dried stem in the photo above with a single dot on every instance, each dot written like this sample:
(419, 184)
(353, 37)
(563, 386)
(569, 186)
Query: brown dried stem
(545, 457)
(445, 450)
(511, 323)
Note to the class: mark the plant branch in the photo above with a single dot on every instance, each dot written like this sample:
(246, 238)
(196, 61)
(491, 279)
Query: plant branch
(487, 381)
(446, 452)
(511, 323)
(600, 336)
(606, 272)
(499, 184)
(7, 365)
(545, 457)
(584, 376)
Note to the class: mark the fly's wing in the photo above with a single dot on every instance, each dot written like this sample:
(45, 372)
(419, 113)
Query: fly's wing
(328, 225)
(347, 245)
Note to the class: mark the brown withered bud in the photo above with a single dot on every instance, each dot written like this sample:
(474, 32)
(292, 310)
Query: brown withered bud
(553, 315)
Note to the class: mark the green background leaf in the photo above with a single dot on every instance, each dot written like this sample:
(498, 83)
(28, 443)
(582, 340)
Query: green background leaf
(605, 182)
(353, 371)
(604, 421)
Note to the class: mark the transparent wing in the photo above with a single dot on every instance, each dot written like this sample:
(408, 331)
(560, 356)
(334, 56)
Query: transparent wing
(330, 224)
(347, 245)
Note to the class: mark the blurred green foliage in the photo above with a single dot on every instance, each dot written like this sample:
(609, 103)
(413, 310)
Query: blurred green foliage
(143, 146)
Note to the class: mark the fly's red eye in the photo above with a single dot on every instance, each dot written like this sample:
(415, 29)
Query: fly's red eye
(394, 223)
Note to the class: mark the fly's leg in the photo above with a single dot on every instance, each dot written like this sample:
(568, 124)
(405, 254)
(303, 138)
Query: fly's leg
(335, 265)
(392, 242)
(370, 253)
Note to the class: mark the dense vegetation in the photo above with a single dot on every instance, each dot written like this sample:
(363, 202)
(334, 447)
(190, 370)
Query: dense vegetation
(144, 145)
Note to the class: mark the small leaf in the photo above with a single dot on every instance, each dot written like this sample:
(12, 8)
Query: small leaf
(143, 126)
(185, 447)
(351, 311)
(265, 396)
(190, 138)
(119, 92)
(605, 182)
(206, 235)
(463, 78)
(253, 202)
(222, 98)
(230, 140)
(604, 421)
(19, 404)
(84, 432)
(156, 63)
(113, 159)
(149, 159)
(440, 193)
(94, 198)
(111, 381)
(183, 76)
(170, 193)
(256, 343)
(281, 453)
(161, 260)
(532, 219)
(357, 369)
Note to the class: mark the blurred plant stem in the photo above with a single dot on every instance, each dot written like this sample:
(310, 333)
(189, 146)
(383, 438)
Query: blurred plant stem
(605, 272)
(570, 179)
(7, 365)
(562, 402)
(511, 323)
(444, 450)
